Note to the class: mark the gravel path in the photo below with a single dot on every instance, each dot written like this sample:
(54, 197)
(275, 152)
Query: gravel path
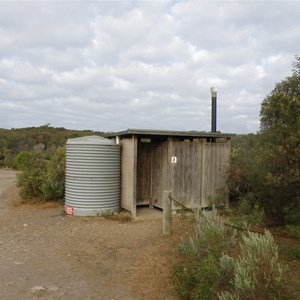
(47, 255)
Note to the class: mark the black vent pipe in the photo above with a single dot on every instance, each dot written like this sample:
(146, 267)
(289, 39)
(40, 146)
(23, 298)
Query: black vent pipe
(213, 91)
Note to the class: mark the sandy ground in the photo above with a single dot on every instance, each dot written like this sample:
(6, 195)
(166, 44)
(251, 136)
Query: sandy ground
(45, 254)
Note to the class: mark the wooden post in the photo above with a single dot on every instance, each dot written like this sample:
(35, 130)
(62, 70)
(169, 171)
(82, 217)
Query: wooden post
(228, 164)
(167, 213)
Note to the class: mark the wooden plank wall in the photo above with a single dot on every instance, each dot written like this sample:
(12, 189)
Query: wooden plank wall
(195, 179)
(128, 174)
(186, 175)
(200, 172)
(216, 157)
(159, 176)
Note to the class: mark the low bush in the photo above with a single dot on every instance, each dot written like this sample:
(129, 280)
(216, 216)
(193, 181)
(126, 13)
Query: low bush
(22, 160)
(244, 214)
(41, 177)
(53, 187)
(198, 277)
(32, 174)
(256, 273)
(212, 269)
(290, 252)
(293, 229)
(211, 236)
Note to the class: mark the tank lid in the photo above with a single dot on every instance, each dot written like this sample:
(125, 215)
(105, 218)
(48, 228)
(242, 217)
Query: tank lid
(90, 140)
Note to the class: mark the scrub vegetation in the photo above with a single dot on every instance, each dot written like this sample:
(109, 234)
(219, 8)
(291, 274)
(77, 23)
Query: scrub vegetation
(33, 139)
(42, 177)
(265, 170)
(217, 262)
(39, 155)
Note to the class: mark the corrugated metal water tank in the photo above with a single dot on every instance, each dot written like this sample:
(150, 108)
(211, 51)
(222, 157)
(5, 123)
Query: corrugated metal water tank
(92, 176)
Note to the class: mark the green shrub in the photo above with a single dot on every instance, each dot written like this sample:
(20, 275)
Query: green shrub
(40, 177)
(293, 229)
(247, 203)
(256, 273)
(32, 176)
(53, 187)
(289, 252)
(198, 276)
(245, 213)
(22, 161)
(292, 214)
(209, 272)
(211, 235)
(2, 158)
(197, 279)
(185, 278)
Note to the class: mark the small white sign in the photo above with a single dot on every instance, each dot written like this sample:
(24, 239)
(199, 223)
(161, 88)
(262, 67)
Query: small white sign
(174, 160)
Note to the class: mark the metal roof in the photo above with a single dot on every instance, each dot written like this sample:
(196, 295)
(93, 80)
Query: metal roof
(90, 140)
(168, 133)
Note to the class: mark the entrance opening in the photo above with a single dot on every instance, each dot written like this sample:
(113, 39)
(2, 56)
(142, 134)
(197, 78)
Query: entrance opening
(151, 172)
(144, 186)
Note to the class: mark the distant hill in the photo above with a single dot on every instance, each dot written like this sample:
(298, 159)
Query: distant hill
(46, 139)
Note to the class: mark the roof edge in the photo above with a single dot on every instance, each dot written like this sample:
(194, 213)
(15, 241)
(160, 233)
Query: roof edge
(149, 132)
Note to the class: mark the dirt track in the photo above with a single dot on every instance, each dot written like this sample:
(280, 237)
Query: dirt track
(47, 255)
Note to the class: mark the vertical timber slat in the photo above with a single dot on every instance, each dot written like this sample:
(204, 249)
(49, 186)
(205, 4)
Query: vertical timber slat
(134, 190)
(128, 182)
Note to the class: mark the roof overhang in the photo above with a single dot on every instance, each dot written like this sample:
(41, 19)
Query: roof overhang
(146, 133)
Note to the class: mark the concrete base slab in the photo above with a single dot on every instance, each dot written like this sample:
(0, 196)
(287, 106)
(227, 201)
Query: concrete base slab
(145, 212)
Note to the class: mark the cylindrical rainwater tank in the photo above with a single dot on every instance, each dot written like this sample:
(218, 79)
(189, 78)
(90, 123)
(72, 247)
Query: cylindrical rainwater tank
(92, 176)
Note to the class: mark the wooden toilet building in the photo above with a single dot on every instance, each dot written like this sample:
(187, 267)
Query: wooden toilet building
(191, 164)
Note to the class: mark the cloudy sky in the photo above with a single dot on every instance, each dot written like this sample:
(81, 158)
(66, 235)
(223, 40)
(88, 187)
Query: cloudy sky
(113, 65)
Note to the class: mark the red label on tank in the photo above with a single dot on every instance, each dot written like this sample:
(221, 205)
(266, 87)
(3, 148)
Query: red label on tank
(69, 210)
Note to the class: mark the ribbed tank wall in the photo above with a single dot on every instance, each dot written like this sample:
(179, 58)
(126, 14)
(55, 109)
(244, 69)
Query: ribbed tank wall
(92, 177)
